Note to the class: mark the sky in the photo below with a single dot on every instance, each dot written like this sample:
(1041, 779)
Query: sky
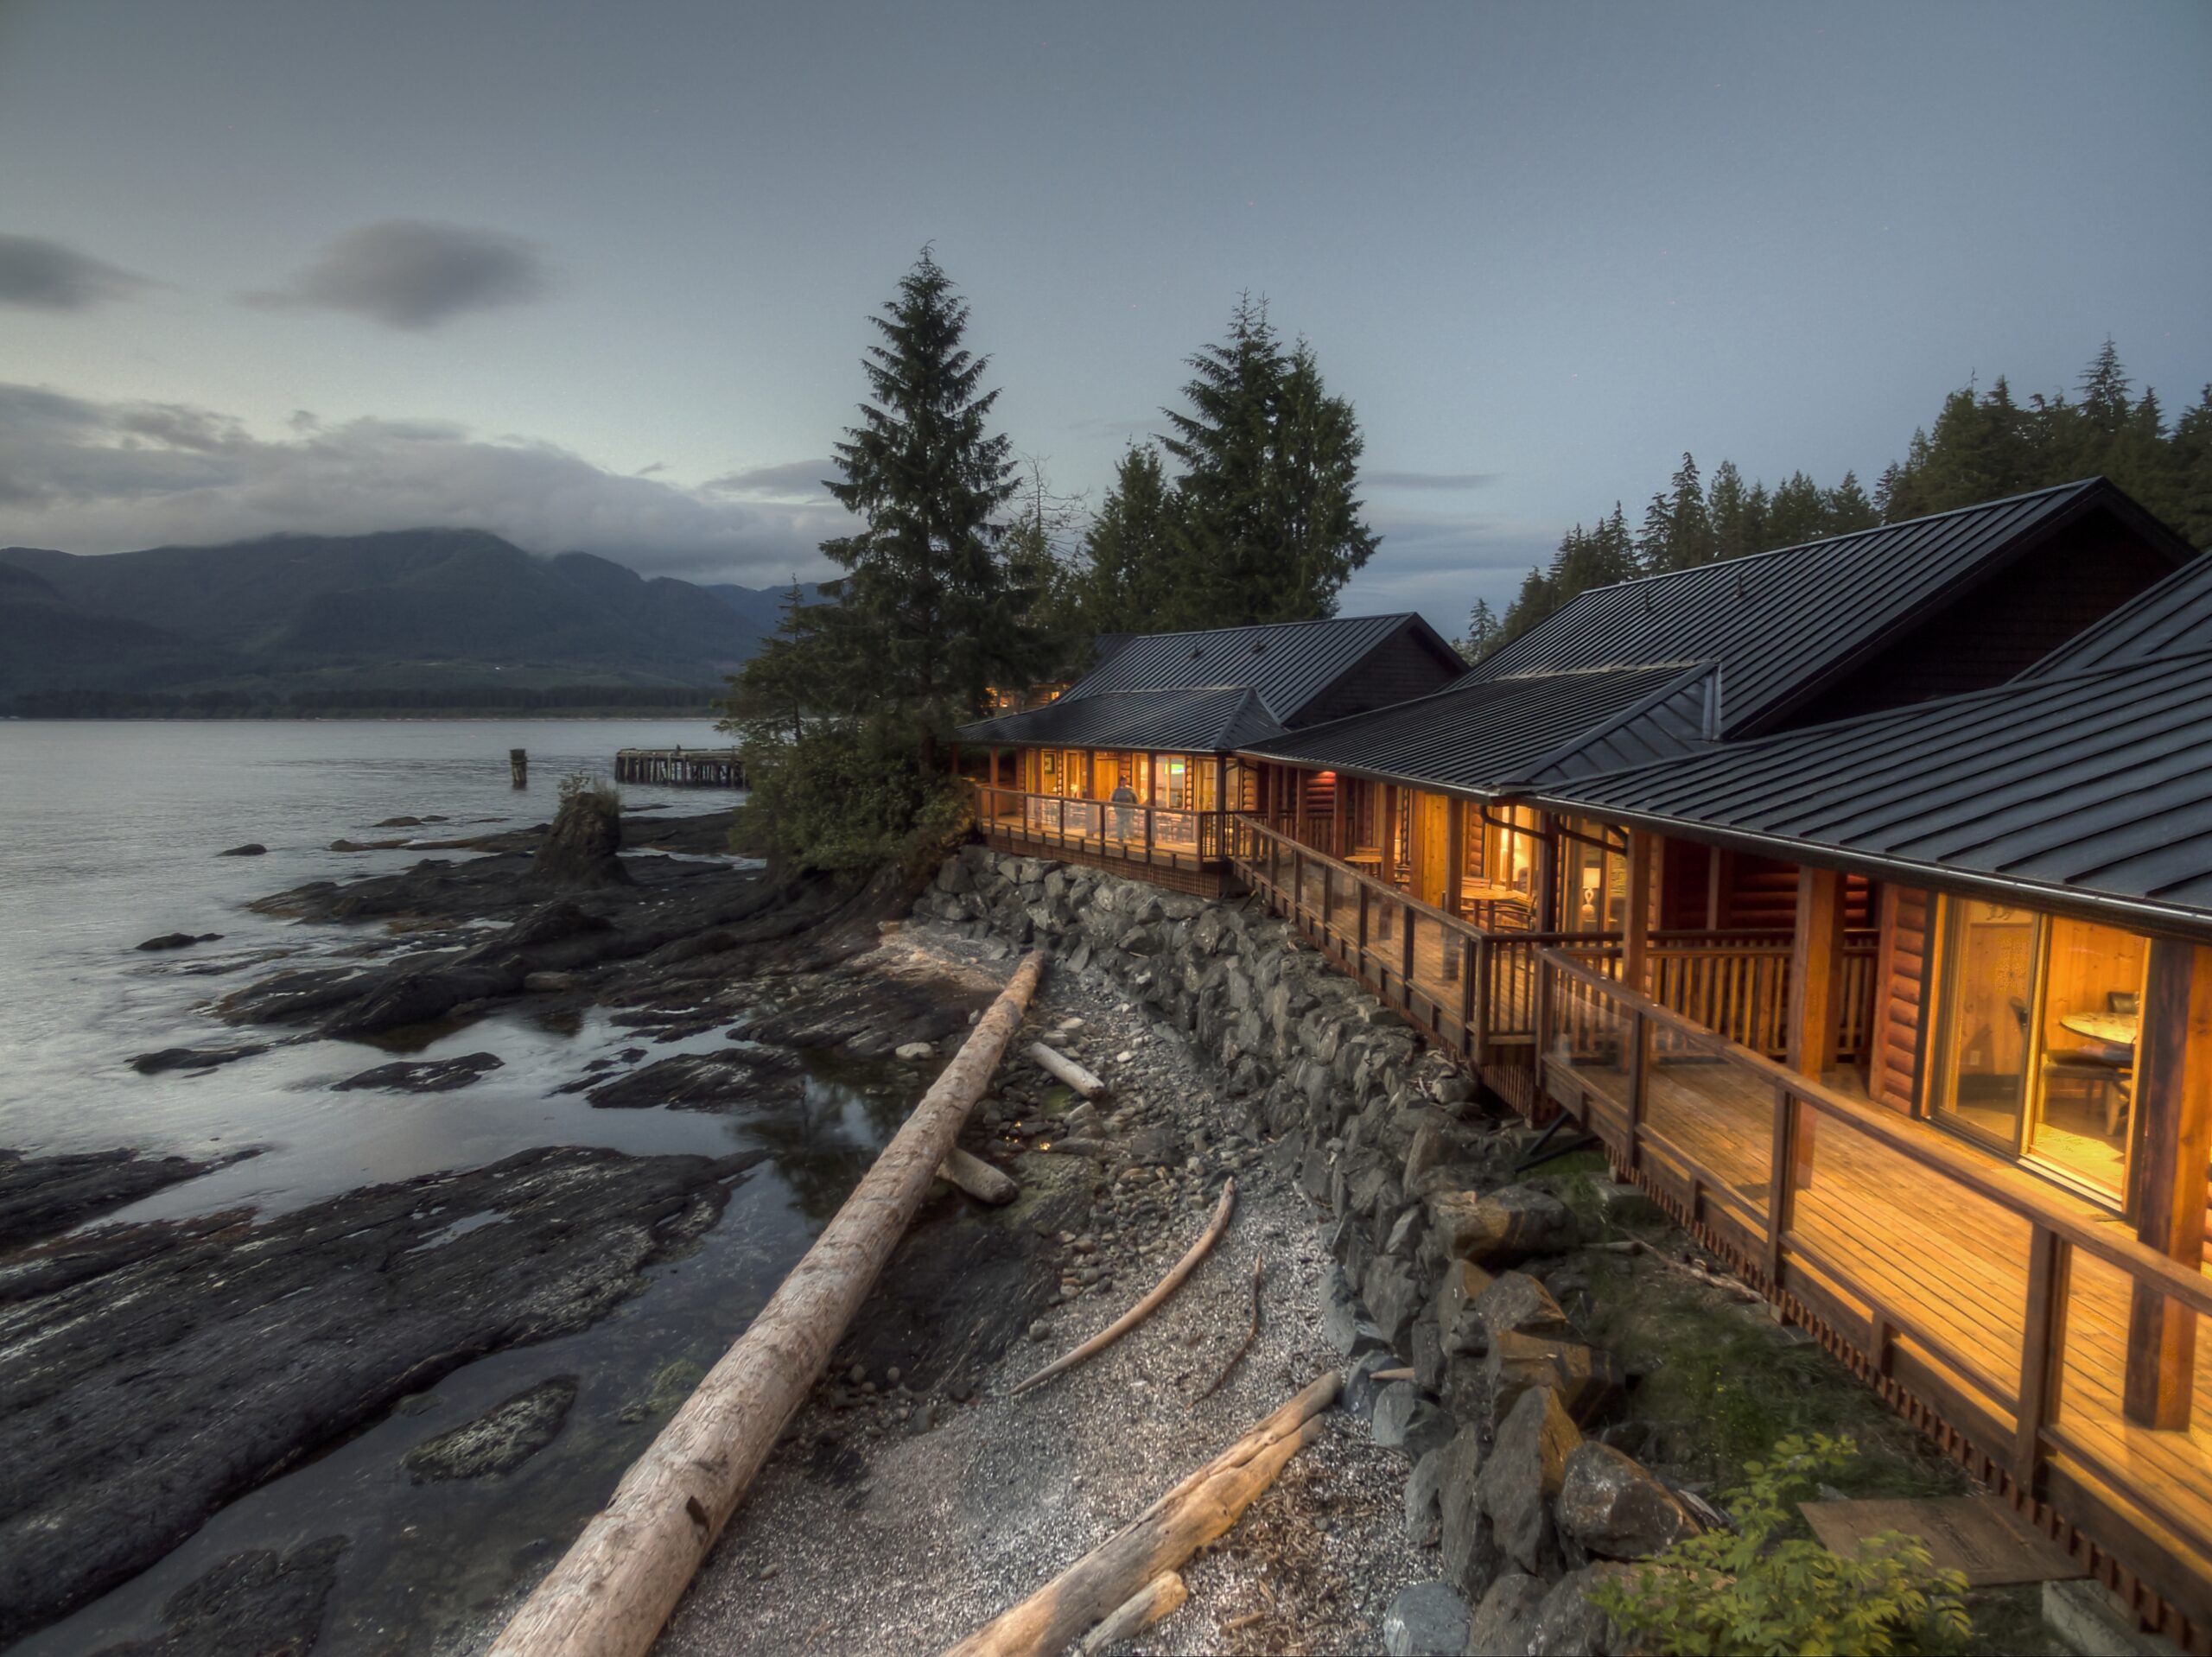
(599, 277)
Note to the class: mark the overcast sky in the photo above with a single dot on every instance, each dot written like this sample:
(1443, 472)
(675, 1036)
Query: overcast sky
(597, 276)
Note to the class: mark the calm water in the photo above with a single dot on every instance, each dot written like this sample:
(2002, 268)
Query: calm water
(108, 836)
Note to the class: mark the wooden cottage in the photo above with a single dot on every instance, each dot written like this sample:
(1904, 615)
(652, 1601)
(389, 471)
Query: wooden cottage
(1865, 919)
(1134, 766)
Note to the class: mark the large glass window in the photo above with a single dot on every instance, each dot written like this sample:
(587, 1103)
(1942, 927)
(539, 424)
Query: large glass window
(1593, 881)
(2034, 1044)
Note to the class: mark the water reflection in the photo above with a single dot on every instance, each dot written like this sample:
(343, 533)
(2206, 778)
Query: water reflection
(846, 1111)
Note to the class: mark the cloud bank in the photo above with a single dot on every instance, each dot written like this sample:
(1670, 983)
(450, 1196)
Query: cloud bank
(87, 476)
(408, 274)
(44, 276)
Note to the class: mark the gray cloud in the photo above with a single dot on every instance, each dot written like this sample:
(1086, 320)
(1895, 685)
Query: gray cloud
(407, 274)
(44, 276)
(1428, 479)
(88, 476)
(791, 480)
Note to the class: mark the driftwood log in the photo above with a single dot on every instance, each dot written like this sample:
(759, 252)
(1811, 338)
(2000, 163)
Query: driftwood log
(1060, 1065)
(1164, 1594)
(1144, 1308)
(977, 1178)
(614, 1587)
(1259, 1278)
(1196, 1511)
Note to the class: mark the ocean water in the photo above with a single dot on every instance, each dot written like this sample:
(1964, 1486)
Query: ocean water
(109, 835)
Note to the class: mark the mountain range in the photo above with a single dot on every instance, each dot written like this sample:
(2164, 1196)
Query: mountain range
(417, 617)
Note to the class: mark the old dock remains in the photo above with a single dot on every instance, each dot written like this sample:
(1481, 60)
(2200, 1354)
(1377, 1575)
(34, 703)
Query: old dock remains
(693, 767)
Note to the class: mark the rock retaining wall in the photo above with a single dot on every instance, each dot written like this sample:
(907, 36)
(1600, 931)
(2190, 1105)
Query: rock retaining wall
(1444, 1255)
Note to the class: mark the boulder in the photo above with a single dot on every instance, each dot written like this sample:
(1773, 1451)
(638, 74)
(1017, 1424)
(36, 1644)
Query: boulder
(1393, 1299)
(180, 940)
(1506, 1226)
(1405, 1420)
(1504, 1620)
(251, 848)
(1462, 1284)
(1361, 1388)
(1565, 1624)
(1428, 1357)
(1515, 1304)
(1424, 1497)
(582, 848)
(913, 1052)
(1347, 1328)
(1615, 1509)
(420, 1075)
(1471, 1557)
(1587, 1380)
(1427, 1619)
(1522, 1474)
(194, 1059)
(1623, 1204)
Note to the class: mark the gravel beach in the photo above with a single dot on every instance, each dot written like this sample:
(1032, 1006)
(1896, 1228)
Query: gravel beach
(892, 1521)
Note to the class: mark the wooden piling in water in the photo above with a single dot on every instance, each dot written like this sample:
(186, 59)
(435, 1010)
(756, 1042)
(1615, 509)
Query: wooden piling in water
(518, 766)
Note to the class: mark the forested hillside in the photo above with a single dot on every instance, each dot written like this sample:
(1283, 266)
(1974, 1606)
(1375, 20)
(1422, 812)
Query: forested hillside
(1983, 446)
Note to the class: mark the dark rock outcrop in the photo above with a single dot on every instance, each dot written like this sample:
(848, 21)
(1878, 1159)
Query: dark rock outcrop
(422, 1076)
(498, 1441)
(259, 1603)
(194, 1059)
(583, 846)
(251, 848)
(180, 940)
(41, 1196)
(220, 1351)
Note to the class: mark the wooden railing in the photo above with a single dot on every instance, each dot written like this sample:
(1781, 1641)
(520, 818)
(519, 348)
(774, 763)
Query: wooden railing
(1996, 1298)
(1145, 834)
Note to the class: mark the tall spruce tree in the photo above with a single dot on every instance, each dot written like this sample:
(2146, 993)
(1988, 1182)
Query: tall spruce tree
(1482, 631)
(1267, 526)
(929, 480)
(1130, 585)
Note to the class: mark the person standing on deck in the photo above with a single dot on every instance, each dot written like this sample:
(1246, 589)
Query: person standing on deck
(1123, 796)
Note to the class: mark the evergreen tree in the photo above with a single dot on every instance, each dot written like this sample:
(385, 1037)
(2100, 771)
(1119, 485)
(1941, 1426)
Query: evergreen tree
(1267, 526)
(2192, 443)
(1533, 603)
(1131, 547)
(1658, 531)
(929, 480)
(2104, 391)
(1848, 509)
(1796, 512)
(1482, 631)
(1736, 529)
(1689, 529)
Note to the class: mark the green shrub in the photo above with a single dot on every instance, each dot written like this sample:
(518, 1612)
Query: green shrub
(1753, 1591)
(846, 797)
(577, 783)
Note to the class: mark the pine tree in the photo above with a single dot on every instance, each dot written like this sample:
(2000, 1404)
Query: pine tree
(1736, 530)
(2192, 444)
(1651, 545)
(1268, 515)
(2104, 391)
(926, 579)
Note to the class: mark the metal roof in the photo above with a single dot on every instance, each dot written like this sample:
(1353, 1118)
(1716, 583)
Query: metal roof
(2173, 616)
(2095, 786)
(1782, 624)
(1289, 663)
(1215, 718)
(1487, 738)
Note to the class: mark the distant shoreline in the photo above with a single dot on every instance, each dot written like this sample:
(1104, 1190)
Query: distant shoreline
(275, 715)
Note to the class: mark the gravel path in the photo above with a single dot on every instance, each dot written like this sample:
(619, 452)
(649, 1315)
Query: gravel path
(935, 1515)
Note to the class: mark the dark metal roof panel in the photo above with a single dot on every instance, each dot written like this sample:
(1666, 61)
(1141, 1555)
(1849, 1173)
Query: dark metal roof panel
(1488, 736)
(2173, 616)
(1215, 718)
(1779, 622)
(1289, 663)
(2098, 783)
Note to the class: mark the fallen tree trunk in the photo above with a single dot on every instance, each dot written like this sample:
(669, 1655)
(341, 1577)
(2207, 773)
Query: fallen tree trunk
(1144, 1308)
(977, 1178)
(1060, 1065)
(1164, 1594)
(612, 1591)
(1194, 1514)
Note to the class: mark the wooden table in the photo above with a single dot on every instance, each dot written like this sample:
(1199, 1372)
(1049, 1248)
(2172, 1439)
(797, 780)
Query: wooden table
(2114, 1029)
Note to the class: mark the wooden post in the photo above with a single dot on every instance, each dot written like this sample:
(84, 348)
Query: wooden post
(1337, 793)
(1815, 994)
(1300, 798)
(1386, 832)
(2173, 1106)
(614, 1587)
(1547, 882)
(2043, 1351)
(518, 767)
(1636, 909)
(1716, 877)
(1455, 853)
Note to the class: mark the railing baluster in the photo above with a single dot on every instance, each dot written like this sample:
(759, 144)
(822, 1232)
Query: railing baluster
(1782, 1153)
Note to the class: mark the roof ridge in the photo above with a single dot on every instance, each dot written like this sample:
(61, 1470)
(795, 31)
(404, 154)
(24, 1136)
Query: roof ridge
(1254, 626)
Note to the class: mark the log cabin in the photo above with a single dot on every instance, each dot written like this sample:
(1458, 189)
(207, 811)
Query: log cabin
(1134, 766)
(1877, 948)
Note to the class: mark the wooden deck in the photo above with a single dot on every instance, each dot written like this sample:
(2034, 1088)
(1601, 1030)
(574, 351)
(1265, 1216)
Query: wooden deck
(1991, 1306)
